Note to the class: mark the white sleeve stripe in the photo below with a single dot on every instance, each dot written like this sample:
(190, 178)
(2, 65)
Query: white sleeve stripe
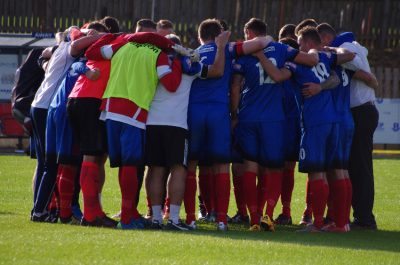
(163, 70)
(106, 52)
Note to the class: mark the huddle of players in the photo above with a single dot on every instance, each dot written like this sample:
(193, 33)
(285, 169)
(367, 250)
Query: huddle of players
(140, 103)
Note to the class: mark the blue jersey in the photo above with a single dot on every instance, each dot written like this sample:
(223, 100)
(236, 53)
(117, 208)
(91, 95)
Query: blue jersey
(213, 90)
(341, 94)
(318, 109)
(292, 99)
(61, 97)
(262, 98)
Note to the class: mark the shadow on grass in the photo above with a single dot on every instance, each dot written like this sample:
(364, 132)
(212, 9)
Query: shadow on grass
(7, 213)
(364, 240)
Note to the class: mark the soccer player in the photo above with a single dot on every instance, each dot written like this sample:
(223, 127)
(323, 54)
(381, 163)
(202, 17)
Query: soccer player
(60, 62)
(292, 98)
(318, 120)
(340, 197)
(287, 31)
(166, 139)
(320, 127)
(146, 25)
(261, 123)
(126, 101)
(209, 121)
(165, 27)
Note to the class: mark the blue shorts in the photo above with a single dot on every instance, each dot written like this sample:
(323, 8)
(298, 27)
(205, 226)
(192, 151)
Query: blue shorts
(262, 142)
(292, 138)
(340, 159)
(316, 146)
(209, 133)
(59, 138)
(125, 144)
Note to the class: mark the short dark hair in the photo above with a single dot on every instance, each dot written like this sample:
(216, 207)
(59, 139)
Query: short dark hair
(174, 38)
(325, 28)
(287, 31)
(304, 23)
(98, 26)
(310, 33)
(165, 24)
(290, 41)
(257, 26)
(209, 29)
(145, 23)
(224, 24)
(111, 23)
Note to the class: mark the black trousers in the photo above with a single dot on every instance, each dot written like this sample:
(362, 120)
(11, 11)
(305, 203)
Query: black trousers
(360, 165)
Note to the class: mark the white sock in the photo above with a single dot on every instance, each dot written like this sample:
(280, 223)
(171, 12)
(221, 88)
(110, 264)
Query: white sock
(157, 213)
(174, 213)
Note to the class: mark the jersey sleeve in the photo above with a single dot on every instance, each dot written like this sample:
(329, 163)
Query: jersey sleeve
(290, 53)
(234, 49)
(94, 52)
(170, 76)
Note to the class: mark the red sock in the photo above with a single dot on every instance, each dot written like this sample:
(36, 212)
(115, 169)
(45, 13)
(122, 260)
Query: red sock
(190, 197)
(89, 179)
(66, 186)
(338, 189)
(261, 195)
(223, 186)
(319, 192)
(250, 195)
(349, 189)
(128, 184)
(308, 209)
(273, 186)
(239, 194)
(331, 211)
(287, 190)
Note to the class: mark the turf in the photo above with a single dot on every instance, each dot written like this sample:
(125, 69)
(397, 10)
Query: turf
(24, 242)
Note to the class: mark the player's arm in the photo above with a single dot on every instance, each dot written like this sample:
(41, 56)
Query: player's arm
(170, 76)
(276, 74)
(368, 78)
(253, 45)
(312, 89)
(95, 53)
(344, 55)
(79, 45)
(236, 86)
(218, 67)
(310, 59)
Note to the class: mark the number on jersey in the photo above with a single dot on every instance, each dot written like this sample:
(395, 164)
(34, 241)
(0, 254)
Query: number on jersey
(267, 79)
(320, 71)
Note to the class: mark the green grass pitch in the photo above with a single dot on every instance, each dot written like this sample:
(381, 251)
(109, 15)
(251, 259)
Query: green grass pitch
(24, 242)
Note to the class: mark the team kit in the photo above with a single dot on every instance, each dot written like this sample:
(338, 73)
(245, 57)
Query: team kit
(175, 120)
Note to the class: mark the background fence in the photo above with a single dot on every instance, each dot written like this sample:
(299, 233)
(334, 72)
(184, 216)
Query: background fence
(376, 22)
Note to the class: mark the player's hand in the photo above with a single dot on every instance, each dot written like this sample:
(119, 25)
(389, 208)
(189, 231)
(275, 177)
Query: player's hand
(192, 54)
(222, 39)
(46, 53)
(93, 74)
(311, 89)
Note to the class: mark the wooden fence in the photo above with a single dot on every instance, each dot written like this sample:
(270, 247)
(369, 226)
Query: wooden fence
(375, 22)
(389, 81)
